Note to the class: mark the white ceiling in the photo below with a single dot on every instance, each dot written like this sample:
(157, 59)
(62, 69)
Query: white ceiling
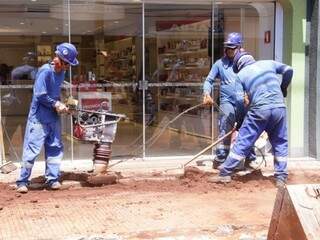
(50, 17)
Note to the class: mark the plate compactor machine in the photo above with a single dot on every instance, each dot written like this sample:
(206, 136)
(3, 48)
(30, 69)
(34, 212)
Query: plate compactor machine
(98, 127)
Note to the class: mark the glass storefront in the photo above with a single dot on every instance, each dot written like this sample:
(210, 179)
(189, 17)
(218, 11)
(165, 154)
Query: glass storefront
(145, 59)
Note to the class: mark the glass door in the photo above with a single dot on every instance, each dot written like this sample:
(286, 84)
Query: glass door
(178, 57)
(182, 41)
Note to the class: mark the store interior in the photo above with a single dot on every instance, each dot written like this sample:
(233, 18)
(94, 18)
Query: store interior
(150, 75)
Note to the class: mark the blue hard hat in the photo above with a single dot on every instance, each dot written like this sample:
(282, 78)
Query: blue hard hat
(68, 53)
(241, 60)
(234, 40)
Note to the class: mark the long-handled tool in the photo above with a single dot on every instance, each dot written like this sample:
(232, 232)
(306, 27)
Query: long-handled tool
(182, 166)
(211, 146)
(6, 166)
(154, 138)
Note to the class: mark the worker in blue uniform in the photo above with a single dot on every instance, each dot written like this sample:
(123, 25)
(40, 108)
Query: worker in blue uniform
(231, 96)
(264, 93)
(44, 124)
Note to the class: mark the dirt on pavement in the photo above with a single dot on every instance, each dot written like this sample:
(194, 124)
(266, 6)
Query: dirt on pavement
(186, 201)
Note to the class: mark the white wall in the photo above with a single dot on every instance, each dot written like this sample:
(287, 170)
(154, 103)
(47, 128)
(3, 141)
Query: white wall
(265, 23)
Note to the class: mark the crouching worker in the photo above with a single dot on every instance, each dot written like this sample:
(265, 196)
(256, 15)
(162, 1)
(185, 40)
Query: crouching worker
(267, 112)
(44, 125)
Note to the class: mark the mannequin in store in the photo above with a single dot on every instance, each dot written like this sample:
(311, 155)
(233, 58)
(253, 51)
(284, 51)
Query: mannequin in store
(27, 71)
(231, 97)
(44, 123)
(265, 93)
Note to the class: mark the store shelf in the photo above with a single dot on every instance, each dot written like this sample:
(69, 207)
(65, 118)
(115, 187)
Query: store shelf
(183, 58)
(120, 64)
(181, 52)
(188, 68)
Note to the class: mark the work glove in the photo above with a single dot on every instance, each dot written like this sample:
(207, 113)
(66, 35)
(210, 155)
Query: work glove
(207, 99)
(60, 107)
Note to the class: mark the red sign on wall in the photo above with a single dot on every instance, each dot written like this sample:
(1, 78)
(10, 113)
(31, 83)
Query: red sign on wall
(95, 100)
(267, 36)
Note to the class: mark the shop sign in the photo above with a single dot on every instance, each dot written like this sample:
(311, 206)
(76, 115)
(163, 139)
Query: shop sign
(95, 101)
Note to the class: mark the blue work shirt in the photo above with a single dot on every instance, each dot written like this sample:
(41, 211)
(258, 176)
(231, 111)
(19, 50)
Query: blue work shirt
(262, 85)
(230, 89)
(46, 92)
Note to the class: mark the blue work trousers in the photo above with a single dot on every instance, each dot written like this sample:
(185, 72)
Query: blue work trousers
(274, 122)
(229, 115)
(36, 136)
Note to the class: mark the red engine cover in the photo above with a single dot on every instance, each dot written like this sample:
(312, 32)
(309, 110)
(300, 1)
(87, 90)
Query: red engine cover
(78, 131)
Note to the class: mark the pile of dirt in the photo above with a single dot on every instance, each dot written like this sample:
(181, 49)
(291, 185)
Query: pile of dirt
(194, 180)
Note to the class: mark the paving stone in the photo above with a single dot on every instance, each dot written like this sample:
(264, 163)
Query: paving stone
(246, 236)
(224, 230)
(261, 235)
(109, 237)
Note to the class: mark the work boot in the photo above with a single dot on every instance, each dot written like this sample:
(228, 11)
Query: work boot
(240, 166)
(22, 189)
(220, 179)
(216, 164)
(280, 183)
(55, 186)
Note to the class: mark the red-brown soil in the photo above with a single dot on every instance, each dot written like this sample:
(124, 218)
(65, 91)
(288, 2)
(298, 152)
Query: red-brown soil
(245, 201)
(193, 180)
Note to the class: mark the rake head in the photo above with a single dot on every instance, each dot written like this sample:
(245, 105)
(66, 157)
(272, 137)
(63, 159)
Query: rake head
(8, 167)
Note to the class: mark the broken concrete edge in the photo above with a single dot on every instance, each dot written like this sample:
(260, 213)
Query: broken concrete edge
(38, 183)
(276, 213)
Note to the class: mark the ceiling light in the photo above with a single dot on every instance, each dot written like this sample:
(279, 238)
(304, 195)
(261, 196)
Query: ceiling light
(22, 23)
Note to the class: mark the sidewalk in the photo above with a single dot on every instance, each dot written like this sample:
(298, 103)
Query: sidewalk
(148, 203)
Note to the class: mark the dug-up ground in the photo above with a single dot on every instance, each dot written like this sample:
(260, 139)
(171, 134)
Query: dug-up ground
(146, 203)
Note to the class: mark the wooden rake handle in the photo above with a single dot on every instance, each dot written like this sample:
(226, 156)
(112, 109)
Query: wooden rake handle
(211, 145)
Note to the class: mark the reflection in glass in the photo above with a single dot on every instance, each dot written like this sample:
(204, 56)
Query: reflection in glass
(109, 39)
(177, 61)
(108, 34)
